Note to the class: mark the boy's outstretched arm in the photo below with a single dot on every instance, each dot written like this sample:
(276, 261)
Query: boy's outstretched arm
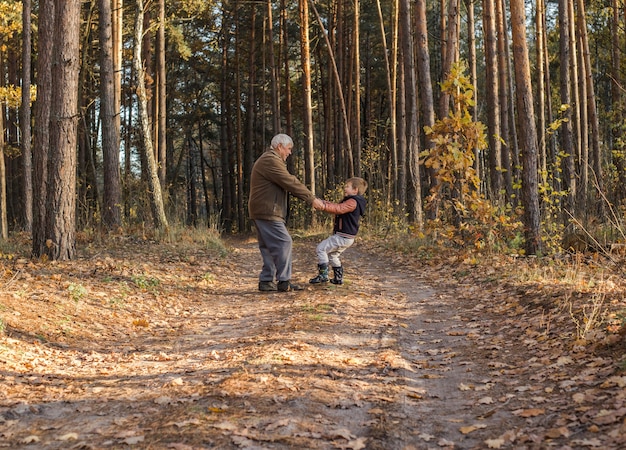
(340, 208)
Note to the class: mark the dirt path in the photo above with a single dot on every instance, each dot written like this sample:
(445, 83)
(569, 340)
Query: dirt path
(174, 349)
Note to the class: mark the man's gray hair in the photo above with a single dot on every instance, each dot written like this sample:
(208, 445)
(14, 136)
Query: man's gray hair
(283, 139)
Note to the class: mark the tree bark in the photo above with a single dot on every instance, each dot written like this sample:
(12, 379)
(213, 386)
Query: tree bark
(391, 95)
(112, 193)
(408, 57)
(273, 71)
(307, 110)
(161, 97)
(616, 99)
(596, 156)
(357, 90)
(491, 97)
(41, 112)
(528, 133)
(61, 212)
(427, 102)
(451, 47)
(567, 144)
(4, 225)
(25, 116)
(156, 199)
(342, 102)
(541, 91)
(505, 139)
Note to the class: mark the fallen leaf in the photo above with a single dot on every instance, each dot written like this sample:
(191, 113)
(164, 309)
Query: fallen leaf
(133, 440)
(30, 439)
(163, 400)
(357, 444)
(228, 426)
(469, 429)
(532, 412)
(554, 433)
(280, 423)
(342, 433)
(68, 437)
(495, 443)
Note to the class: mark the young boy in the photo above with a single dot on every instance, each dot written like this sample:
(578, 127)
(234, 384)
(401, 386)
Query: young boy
(347, 215)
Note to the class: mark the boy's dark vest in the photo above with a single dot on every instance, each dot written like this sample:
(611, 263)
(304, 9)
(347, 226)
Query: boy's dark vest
(347, 225)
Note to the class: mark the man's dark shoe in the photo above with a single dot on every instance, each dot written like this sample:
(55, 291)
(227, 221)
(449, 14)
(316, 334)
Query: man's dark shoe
(286, 286)
(267, 286)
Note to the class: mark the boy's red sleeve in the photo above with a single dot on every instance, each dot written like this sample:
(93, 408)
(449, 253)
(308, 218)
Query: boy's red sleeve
(340, 208)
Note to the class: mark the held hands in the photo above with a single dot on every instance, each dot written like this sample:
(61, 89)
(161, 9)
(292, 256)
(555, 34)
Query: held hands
(318, 204)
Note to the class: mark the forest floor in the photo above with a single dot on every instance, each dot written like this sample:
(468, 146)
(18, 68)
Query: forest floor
(170, 346)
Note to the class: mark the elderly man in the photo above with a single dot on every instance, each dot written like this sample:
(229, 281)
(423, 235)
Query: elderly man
(270, 184)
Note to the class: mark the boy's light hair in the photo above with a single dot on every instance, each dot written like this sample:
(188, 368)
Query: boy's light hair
(359, 183)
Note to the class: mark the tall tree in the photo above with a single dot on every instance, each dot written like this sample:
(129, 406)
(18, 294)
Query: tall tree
(356, 122)
(25, 116)
(427, 102)
(273, 70)
(408, 56)
(504, 99)
(61, 198)
(596, 155)
(617, 99)
(156, 198)
(307, 110)
(540, 83)
(451, 51)
(4, 226)
(528, 133)
(41, 114)
(391, 96)
(567, 143)
(161, 96)
(112, 196)
(342, 99)
(491, 97)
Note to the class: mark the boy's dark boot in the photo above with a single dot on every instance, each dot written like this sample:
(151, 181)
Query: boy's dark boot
(322, 274)
(338, 278)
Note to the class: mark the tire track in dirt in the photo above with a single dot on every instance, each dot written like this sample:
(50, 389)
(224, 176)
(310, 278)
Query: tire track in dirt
(439, 384)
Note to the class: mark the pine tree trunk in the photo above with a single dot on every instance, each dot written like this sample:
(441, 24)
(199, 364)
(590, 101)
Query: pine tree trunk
(27, 155)
(4, 227)
(505, 139)
(161, 97)
(61, 212)
(541, 92)
(491, 97)
(156, 199)
(596, 155)
(427, 102)
(567, 144)
(112, 195)
(528, 133)
(408, 57)
(41, 110)
(307, 109)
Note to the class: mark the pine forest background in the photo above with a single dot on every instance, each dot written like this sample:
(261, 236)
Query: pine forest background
(497, 123)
